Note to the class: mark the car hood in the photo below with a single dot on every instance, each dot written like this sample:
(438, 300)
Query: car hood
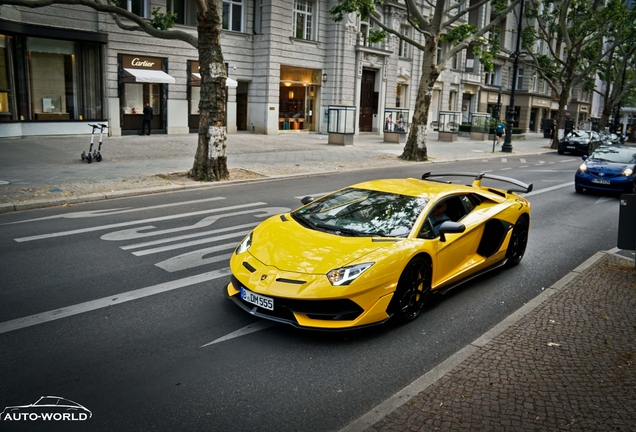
(291, 247)
(610, 168)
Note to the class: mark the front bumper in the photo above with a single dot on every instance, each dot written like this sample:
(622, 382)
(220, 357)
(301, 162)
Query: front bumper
(574, 147)
(614, 184)
(322, 314)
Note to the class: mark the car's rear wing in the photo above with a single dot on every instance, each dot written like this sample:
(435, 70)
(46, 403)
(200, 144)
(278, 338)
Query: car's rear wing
(522, 187)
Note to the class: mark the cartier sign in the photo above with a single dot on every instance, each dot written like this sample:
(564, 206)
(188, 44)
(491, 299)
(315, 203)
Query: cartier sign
(141, 62)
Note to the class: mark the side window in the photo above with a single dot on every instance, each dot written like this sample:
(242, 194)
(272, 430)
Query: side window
(427, 231)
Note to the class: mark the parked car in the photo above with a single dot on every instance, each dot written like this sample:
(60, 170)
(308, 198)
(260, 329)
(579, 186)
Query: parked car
(608, 169)
(376, 250)
(609, 138)
(580, 142)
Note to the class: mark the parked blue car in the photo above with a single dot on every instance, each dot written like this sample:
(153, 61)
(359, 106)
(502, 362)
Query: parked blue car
(608, 169)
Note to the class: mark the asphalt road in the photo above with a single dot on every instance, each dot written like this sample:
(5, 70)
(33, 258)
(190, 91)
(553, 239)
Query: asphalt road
(118, 305)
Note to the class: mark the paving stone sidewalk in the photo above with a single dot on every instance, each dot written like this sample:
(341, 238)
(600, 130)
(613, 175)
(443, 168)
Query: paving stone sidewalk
(567, 365)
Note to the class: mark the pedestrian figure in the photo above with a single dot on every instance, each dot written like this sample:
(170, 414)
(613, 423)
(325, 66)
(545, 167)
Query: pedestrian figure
(389, 123)
(500, 131)
(147, 118)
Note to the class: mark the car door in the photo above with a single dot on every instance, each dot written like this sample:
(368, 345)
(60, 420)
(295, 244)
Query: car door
(457, 257)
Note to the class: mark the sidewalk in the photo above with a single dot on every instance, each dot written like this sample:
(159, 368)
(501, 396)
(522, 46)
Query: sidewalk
(564, 361)
(41, 172)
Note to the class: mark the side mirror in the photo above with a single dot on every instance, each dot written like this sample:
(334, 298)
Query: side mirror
(449, 227)
(307, 200)
(584, 157)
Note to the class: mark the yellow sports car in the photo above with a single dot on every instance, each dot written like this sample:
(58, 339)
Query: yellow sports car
(376, 250)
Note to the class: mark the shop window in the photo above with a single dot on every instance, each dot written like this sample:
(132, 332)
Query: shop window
(233, 15)
(303, 19)
(136, 95)
(195, 97)
(53, 73)
(5, 111)
(185, 10)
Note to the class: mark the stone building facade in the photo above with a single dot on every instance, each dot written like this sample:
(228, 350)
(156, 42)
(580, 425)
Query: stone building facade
(63, 67)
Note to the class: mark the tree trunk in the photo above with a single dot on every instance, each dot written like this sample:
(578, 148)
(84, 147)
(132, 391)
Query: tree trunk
(564, 99)
(415, 147)
(210, 160)
(605, 115)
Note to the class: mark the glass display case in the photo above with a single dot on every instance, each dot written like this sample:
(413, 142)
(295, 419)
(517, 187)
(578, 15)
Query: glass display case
(448, 125)
(479, 124)
(396, 124)
(341, 124)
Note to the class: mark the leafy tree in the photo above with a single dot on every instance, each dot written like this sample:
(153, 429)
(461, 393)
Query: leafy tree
(577, 36)
(446, 23)
(210, 160)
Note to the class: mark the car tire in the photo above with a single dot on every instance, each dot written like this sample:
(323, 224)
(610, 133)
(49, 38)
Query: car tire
(518, 241)
(413, 289)
(578, 189)
(561, 151)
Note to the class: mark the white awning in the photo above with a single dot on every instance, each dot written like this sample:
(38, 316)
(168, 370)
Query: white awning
(229, 82)
(150, 76)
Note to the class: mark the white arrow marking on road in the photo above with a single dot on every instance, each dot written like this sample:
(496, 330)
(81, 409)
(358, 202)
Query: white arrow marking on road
(108, 212)
(195, 259)
(92, 305)
(187, 236)
(257, 326)
(137, 222)
(239, 234)
(133, 233)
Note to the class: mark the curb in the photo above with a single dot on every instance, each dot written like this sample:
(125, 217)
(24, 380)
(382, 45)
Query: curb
(409, 392)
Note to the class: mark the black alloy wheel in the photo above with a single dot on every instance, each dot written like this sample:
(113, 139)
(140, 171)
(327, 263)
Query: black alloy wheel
(518, 241)
(412, 290)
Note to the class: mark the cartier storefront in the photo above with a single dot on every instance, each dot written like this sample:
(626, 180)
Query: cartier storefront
(142, 80)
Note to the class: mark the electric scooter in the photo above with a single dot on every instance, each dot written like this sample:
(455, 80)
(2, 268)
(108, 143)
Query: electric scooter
(96, 154)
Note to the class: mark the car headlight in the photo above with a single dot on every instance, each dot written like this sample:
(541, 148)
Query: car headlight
(583, 168)
(628, 172)
(346, 275)
(245, 244)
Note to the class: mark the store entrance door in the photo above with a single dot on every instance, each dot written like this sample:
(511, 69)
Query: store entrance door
(368, 102)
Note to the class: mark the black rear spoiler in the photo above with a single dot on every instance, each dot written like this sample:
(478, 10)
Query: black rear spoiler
(524, 188)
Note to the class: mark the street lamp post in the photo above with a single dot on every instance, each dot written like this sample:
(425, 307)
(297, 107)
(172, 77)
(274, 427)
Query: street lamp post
(510, 113)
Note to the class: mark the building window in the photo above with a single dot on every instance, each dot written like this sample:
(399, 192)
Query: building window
(303, 19)
(519, 79)
(400, 98)
(439, 55)
(185, 10)
(233, 15)
(493, 78)
(535, 82)
(403, 48)
(138, 7)
(258, 16)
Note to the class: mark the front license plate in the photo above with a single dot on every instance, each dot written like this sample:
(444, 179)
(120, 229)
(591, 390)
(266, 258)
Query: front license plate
(601, 181)
(257, 299)
(571, 147)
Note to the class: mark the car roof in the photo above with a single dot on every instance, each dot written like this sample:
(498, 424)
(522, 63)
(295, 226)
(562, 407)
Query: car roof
(414, 187)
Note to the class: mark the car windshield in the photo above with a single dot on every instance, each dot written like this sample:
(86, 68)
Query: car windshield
(578, 134)
(361, 212)
(615, 154)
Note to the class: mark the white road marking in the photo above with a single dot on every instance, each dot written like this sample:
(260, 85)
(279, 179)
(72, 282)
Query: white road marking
(549, 189)
(108, 212)
(524, 166)
(133, 233)
(240, 234)
(92, 305)
(505, 169)
(137, 222)
(604, 199)
(522, 160)
(315, 195)
(257, 326)
(187, 236)
(195, 259)
(568, 160)
(504, 160)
